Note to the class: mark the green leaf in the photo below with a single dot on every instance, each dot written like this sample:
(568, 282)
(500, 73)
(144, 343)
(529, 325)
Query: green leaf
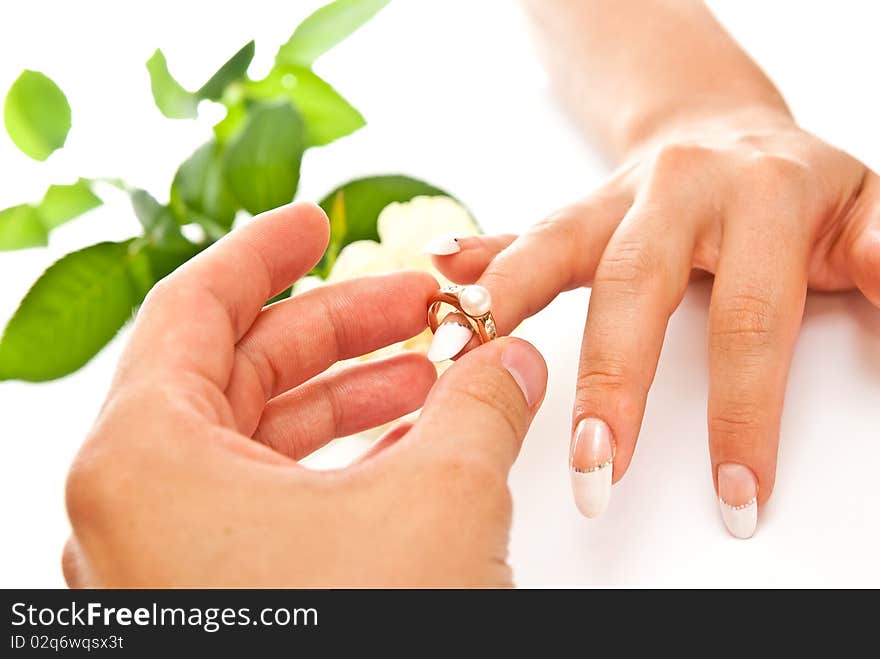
(234, 69)
(325, 28)
(29, 225)
(338, 226)
(199, 192)
(160, 226)
(22, 227)
(62, 203)
(117, 183)
(175, 102)
(262, 161)
(327, 115)
(149, 263)
(172, 100)
(354, 209)
(37, 115)
(147, 210)
(164, 261)
(230, 125)
(69, 314)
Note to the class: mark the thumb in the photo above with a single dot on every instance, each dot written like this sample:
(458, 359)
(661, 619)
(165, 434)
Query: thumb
(483, 405)
(864, 247)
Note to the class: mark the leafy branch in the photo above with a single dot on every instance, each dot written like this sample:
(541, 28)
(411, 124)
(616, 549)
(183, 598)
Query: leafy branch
(250, 165)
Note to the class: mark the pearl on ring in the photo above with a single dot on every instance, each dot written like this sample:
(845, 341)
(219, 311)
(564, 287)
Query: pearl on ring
(475, 301)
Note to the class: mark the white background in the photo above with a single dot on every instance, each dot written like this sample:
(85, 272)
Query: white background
(453, 94)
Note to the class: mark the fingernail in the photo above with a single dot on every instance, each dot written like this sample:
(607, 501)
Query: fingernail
(738, 498)
(527, 367)
(443, 246)
(448, 341)
(592, 457)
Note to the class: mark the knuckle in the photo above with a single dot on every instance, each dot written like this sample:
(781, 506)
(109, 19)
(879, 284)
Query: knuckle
(735, 423)
(338, 332)
(603, 374)
(501, 277)
(681, 158)
(88, 489)
(781, 183)
(610, 386)
(171, 292)
(496, 401)
(549, 226)
(335, 404)
(776, 170)
(557, 230)
(158, 294)
(554, 235)
(554, 230)
(630, 263)
(744, 319)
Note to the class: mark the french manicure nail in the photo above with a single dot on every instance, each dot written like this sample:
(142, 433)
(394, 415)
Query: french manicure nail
(527, 368)
(592, 457)
(443, 246)
(738, 499)
(448, 341)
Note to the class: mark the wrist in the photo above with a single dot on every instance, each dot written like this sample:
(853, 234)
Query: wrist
(643, 130)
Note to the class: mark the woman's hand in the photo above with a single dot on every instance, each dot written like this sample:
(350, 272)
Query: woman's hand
(766, 207)
(189, 477)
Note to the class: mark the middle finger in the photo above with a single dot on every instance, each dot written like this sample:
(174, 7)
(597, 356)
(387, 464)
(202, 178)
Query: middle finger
(294, 340)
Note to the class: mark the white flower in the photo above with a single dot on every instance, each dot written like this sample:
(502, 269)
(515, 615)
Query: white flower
(404, 230)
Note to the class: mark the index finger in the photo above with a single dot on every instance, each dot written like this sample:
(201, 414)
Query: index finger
(556, 255)
(192, 319)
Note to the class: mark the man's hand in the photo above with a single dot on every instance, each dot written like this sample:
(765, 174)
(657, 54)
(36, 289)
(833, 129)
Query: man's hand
(189, 477)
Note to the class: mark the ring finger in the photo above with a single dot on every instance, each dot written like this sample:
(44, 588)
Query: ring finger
(756, 309)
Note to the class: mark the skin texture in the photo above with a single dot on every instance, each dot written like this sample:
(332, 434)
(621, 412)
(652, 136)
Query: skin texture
(189, 476)
(723, 182)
